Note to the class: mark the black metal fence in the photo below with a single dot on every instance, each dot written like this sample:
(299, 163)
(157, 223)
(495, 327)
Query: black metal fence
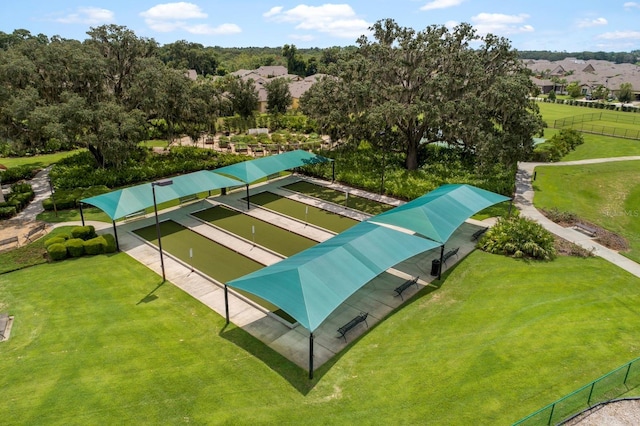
(606, 388)
(584, 123)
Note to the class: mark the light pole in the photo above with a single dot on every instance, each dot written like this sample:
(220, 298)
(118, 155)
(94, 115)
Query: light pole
(155, 209)
(53, 199)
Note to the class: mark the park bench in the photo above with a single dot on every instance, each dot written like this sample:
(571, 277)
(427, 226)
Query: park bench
(361, 317)
(188, 198)
(406, 285)
(585, 229)
(478, 233)
(35, 231)
(448, 255)
(4, 321)
(135, 215)
(8, 241)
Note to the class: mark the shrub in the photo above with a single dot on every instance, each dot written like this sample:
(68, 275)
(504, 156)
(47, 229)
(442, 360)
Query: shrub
(83, 232)
(110, 247)
(57, 251)
(95, 245)
(7, 212)
(75, 247)
(519, 237)
(58, 239)
(18, 173)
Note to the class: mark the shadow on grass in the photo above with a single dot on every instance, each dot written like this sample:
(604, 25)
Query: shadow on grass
(151, 296)
(297, 376)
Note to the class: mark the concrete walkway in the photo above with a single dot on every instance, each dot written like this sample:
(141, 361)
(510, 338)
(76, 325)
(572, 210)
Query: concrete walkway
(524, 201)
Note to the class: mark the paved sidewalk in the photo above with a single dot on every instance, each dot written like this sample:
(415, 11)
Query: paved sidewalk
(524, 201)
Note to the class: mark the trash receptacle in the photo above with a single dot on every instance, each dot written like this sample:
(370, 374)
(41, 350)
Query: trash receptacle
(435, 267)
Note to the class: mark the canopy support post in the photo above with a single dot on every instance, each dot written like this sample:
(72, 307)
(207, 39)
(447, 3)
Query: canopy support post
(510, 205)
(226, 302)
(81, 214)
(248, 197)
(441, 260)
(311, 356)
(115, 233)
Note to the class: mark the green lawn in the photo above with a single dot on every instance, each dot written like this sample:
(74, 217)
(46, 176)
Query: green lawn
(98, 340)
(607, 194)
(551, 112)
(36, 161)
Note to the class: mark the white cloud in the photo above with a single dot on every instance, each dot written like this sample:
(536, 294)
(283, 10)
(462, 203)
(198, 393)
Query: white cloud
(501, 24)
(206, 29)
(174, 11)
(337, 20)
(586, 23)
(631, 5)
(441, 4)
(88, 16)
(169, 17)
(273, 11)
(617, 35)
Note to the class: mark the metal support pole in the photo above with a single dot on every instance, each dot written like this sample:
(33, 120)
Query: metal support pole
(333, 171)
(81, 214)
(590, 393)
(441, 261)
(155, 209)
(510, 206)
(627, 374)
(311, 356)
(53, 199)
(248, 197)
(226, 302)
(115, 234)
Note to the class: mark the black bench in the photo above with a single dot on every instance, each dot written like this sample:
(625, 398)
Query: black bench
(188, 198)
(450, 254)
(586, 229)
(362, 317)
(135, 215)
(8, 241)
(35, 231)
(406, 285)
(478, 233)
(4, 321)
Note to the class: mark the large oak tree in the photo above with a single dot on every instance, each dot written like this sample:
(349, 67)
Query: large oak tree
(435, 85)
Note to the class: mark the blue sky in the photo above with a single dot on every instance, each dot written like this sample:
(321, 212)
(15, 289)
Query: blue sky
(558, 25)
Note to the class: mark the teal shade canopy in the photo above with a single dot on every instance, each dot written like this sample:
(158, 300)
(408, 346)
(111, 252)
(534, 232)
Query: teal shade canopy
(437, 214)
(310, 285)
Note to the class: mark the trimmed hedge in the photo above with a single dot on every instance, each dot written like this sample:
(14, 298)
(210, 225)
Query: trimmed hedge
(55, 240)
(111, 243)
(84, 232)
(95, 245)
(57, 251)
(20, 196)
(75, 247)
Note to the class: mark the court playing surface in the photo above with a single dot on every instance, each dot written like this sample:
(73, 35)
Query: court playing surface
(303, 212)
(355, 202)
(262, 233)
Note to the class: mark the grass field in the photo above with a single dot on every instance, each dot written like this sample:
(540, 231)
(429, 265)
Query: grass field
(488, 347)
(310, 214)
(266, 235)
(355, 202)
(607, 194)
(551, 112)
(36, 161)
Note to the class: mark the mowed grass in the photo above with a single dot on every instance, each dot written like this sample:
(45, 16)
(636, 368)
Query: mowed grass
(37, 161)
(304, 212)
(595, 146)
(606, 194)
(98, 340)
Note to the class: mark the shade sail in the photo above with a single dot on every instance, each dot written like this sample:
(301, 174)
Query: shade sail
(252, 170)
(310, 285)
(439, 213)
(122, 202)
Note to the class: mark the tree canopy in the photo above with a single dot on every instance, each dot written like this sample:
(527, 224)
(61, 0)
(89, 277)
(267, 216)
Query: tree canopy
(430, 86)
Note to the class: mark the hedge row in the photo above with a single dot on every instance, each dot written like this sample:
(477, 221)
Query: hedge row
(69, 198)
(592, 104)
(82, 241)
(19, 198)
(80, 170)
